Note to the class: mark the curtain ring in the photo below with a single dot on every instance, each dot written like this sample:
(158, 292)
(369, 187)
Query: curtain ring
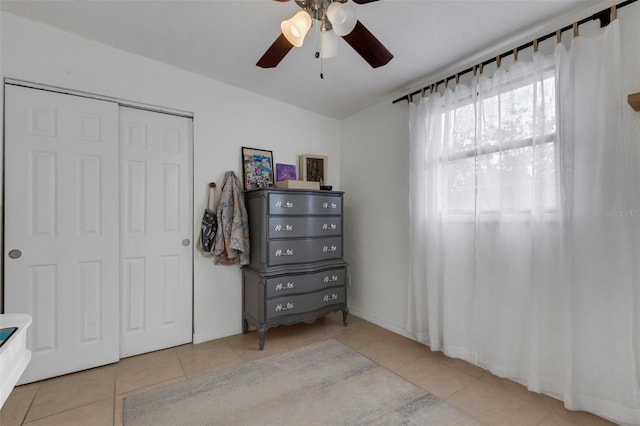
(410, 98)
(457, 78)
(515, 54)
(481, 68)
(498, 60)
(559, 36)
(436, 89)
(614, 13)
(431, 90)
(446, 83)
(422, 92)
(576, 32)
(535, 45)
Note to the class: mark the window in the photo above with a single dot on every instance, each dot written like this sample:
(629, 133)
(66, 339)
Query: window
(499, 150)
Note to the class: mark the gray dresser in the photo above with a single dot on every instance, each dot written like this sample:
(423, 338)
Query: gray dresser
(297, 271)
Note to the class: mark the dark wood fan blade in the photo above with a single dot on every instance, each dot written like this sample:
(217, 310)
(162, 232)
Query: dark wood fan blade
(282, 1)
(368, 46)
(358, 1)
(275, 53)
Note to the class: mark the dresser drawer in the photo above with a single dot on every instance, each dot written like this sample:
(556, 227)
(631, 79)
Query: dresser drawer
(304, 302)
(304, 283)
(309, 226)
(300, 204)
(282, 252)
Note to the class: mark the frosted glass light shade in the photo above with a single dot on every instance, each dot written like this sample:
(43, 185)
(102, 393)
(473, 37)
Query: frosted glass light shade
(328, 44)
(342, 17)
(296, 27)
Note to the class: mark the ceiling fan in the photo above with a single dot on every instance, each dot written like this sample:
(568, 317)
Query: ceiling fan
(336, 18)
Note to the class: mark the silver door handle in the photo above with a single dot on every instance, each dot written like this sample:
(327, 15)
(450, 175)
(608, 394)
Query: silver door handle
(186, 242)
(15, 254)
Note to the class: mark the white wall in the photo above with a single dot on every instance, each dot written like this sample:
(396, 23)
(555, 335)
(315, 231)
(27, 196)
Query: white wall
(225, 119)
(375, 177)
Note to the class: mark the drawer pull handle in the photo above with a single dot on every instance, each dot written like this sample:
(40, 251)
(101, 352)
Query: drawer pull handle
(330, 279)
(328, 298)
(288, 306)
(279, 228)
(329, 205)
(286, 205)
(286, 286)
(287, 252)
(327, 226)
(327, 249)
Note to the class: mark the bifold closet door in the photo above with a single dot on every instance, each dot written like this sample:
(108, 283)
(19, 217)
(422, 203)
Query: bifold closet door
(61, 228)
(156, 231)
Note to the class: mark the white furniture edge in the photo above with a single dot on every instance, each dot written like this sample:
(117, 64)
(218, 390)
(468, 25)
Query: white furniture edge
(14, 355)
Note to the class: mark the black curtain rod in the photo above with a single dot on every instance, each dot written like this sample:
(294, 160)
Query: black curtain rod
(604, 16)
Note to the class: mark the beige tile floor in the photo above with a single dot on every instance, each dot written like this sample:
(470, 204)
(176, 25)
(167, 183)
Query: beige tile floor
(95, 397)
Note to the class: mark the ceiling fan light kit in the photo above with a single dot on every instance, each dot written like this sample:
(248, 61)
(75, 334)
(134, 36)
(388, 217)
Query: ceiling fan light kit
(328, 44)
(343, 17)
(295, 28)
(336, 18)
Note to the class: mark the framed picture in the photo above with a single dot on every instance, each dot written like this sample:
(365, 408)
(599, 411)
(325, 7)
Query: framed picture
(257, 168)
(314, 168)
(285, 172)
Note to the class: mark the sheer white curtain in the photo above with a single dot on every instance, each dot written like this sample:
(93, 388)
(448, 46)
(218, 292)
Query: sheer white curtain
(521, 225)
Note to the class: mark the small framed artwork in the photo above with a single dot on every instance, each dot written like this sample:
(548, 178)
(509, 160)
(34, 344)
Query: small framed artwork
(314, 168)
(257, 168)
(285, 172)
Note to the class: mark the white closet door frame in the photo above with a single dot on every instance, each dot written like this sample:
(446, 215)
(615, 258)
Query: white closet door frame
(89, 95)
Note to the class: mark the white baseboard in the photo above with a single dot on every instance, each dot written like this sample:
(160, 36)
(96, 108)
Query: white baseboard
(230, 330)
(216, 334)
(382, 323)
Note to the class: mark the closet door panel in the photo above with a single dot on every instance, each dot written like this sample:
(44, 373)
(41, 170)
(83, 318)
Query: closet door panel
(156, 194)
(61, 228)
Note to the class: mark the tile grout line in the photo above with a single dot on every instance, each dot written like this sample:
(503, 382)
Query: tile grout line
(184, 372)
(516, 395)
(26, 413)
(461, 408)
(115, 377)
(235, 351)
(64, 411)
(545, 417)
(549, 410)
(237, 355)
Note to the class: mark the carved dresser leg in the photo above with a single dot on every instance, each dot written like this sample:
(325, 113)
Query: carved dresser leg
(261, 332)
(345, 312)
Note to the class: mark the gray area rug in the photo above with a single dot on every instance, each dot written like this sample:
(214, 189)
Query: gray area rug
(326, 383)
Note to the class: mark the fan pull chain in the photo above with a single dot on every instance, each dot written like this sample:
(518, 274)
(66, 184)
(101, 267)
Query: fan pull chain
(321, 64)
(318, 48)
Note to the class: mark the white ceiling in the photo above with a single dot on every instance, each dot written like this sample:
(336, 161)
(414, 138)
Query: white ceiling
(223, 39)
